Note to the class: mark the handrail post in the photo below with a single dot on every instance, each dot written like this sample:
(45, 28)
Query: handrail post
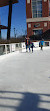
(6, 48)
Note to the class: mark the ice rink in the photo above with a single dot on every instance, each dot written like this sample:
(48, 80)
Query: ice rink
(25, 81)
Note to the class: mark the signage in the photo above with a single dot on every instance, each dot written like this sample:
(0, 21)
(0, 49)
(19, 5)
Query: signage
(37, 25)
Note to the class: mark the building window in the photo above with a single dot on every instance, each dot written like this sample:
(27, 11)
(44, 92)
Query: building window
(29, 25)
(38, 31)
(45, 0)
(37, 8)
(28, 1)
(49, 7)
(45, 24)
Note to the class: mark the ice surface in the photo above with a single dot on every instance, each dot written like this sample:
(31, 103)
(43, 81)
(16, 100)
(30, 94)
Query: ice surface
(25, 81)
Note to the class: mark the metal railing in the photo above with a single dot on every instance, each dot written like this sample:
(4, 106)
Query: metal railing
(8, 48)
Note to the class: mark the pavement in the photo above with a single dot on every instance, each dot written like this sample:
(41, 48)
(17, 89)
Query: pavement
(25, 81)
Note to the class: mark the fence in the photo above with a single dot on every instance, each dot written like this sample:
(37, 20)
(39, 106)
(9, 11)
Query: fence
(8, 48)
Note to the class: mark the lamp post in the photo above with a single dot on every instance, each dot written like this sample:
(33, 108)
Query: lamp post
(14, 32)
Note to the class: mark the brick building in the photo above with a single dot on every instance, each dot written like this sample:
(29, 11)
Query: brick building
(37, 16)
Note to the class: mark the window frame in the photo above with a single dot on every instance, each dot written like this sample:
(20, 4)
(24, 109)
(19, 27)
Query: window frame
(37, 13)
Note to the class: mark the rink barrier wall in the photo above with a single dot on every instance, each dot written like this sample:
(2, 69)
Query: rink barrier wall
(9, 48)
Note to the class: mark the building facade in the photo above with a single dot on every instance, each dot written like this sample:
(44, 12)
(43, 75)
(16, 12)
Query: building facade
(37, 16)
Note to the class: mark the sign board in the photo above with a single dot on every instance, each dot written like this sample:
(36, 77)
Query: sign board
(46, 43)
(37, 25)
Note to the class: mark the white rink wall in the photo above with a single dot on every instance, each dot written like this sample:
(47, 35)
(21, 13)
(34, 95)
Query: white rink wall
(9, 48)
(13, 47)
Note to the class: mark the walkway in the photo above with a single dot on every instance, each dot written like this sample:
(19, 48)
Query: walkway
(25, 81)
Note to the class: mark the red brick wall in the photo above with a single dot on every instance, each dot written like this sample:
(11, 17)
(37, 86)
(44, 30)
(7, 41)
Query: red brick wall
(30, 30)
(28, 10)
(45, 8)
(49, 24)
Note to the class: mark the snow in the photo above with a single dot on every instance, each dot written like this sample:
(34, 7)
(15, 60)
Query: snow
(25, 81)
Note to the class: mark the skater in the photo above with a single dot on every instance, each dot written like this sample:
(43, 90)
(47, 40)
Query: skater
(29, 44)
(41, 44)
(32, 45)
(26, 44)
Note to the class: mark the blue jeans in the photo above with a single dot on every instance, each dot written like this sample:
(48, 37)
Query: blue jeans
(29, 47)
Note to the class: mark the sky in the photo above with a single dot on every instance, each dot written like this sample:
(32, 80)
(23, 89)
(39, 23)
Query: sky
(18, 18)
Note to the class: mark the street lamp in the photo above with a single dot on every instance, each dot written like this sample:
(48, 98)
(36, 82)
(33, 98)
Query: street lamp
(14, 32)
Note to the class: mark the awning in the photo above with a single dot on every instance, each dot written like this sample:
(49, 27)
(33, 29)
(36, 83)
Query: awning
(3, 27)
(6, 2)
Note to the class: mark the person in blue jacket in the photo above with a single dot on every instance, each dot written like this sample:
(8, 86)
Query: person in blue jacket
(41, 44)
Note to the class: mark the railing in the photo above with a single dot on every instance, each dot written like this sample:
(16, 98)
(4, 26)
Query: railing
(8, 48)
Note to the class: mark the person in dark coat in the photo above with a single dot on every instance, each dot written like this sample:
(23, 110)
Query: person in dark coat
(26, 44)
(29, 44)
